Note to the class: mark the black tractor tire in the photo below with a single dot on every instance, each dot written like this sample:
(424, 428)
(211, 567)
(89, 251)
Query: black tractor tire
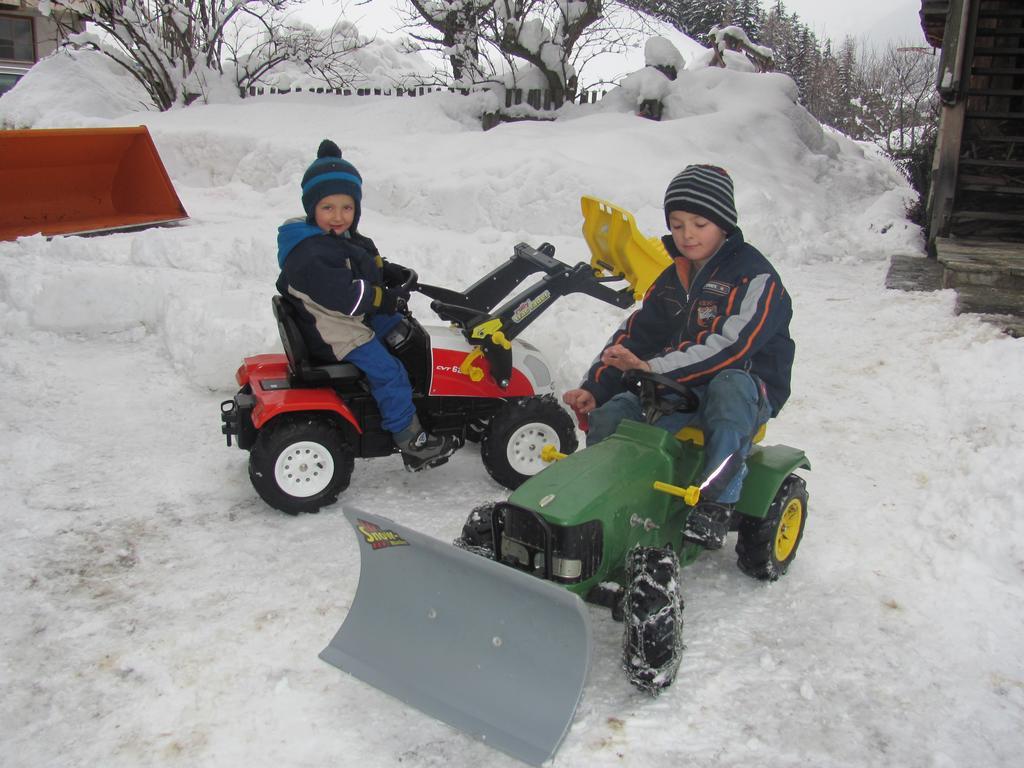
(477, 535)
(766, 546)
(300, 464)
(652, 642)
(511, 445)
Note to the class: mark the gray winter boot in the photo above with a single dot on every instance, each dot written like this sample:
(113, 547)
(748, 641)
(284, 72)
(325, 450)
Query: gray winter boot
(422, 450)
(708, 524)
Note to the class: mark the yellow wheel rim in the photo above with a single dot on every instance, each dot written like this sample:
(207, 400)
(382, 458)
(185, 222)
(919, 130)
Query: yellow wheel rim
(788, 531)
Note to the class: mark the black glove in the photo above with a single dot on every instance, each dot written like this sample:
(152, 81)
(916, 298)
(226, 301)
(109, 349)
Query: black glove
(390, 301)
(394, 274)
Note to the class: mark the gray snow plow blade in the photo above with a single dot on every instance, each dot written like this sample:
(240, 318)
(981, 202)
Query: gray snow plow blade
(492, 651)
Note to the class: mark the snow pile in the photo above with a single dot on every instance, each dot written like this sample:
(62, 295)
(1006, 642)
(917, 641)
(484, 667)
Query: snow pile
(376, 64)
(75, 89)
(157, 612)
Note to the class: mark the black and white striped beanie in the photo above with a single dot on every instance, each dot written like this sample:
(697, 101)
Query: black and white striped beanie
(705, 190)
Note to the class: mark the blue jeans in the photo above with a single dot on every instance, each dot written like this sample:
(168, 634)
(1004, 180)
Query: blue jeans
(733, 406)
(389, 383)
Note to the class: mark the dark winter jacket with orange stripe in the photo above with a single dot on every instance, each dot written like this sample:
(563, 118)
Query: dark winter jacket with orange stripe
(735, 313)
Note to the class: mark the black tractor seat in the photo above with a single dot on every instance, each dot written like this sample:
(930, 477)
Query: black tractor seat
(304, 372)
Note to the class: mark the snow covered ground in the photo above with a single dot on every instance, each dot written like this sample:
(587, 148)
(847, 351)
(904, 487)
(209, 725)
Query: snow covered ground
(157, 613)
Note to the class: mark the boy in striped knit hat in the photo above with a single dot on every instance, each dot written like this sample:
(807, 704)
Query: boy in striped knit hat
(717, 320)
(346, 297)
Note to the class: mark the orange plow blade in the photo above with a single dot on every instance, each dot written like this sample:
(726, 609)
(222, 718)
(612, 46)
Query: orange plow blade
(82, 180)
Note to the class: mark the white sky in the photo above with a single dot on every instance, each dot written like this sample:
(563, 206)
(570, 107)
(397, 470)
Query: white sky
(875, 24)
(878, 21)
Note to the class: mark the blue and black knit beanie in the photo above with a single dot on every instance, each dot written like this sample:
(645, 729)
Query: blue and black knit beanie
(705, 190)
(330, 175)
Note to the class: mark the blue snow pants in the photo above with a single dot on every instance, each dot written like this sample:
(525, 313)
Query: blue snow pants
(733, 406)
(389, 383)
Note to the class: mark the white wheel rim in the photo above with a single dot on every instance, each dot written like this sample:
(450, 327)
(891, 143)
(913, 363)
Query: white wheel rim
(525, 444)
(304, 469)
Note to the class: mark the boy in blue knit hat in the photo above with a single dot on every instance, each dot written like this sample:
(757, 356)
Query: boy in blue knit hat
(346, 296)
(717, 319)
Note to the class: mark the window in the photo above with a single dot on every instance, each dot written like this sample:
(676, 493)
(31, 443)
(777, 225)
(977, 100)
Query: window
(7, 82)
(16, 42)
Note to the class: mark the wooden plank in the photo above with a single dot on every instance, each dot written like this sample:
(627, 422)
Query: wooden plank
(945, 165)
(983, 245)
(1005, 51)
(996, 189)
(962, 216)
(998, 13)
(995, 115)
(992, 163)
(954, 53)
(997, 139)
(976, 299)
(996, 71)
(963, 271)
(995, 91)
(909, 272)
(999, 253)
(994, 264)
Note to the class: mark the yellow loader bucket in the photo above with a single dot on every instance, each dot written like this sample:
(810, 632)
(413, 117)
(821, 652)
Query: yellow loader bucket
(617, 247)
(81, 180)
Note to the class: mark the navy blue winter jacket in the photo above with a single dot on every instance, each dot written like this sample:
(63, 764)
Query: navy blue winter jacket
(332, 281)
(734, 313)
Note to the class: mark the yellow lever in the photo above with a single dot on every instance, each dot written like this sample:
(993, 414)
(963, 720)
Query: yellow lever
(550, 453)
(474, 372)
(489, 328)
(690, 495)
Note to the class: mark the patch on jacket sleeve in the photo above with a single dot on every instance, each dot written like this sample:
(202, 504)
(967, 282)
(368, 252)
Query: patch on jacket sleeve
(707, 311)
(714, 286)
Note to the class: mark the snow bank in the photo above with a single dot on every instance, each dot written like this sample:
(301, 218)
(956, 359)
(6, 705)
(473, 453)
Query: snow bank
(76, 89)
(237, 169)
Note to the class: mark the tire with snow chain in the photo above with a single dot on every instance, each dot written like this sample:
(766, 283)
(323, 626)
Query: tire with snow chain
(511, 445)
(477, 534)
(299, 464)
(653, 617)
(766, 546)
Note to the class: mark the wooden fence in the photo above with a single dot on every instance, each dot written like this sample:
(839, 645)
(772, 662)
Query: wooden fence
(537, 98)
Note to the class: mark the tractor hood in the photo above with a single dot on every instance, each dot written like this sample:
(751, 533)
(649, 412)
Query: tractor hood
(603, 480)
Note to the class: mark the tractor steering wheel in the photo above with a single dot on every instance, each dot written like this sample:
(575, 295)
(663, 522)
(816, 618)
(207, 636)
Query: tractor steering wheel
(411, 282)
(655, 401)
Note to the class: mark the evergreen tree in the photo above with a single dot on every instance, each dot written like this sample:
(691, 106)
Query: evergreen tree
(848, 117)
(827, 86)
(801, 65)
(746, 14)
(700, 17)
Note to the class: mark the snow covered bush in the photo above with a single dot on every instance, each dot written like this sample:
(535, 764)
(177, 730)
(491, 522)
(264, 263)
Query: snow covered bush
(179, 49)
(511, 41)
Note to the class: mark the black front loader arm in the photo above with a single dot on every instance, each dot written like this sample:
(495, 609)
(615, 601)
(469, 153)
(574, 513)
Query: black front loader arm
(520, 311)
(493, 332)
(486, 292)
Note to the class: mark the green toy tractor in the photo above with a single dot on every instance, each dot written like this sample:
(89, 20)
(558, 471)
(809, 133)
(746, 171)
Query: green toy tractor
(492, 636)
(606, 523)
